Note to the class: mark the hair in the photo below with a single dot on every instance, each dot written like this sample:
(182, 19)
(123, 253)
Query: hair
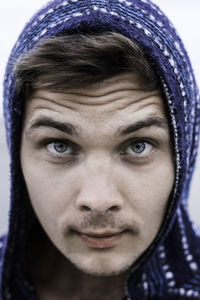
(79, 60)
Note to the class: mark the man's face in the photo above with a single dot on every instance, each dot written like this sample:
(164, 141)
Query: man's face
(99, 170)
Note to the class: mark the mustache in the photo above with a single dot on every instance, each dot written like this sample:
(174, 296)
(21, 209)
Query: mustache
(108, 221)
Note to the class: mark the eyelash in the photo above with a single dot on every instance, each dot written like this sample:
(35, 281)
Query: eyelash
(74, 149)
(132, 143)
(123, 149)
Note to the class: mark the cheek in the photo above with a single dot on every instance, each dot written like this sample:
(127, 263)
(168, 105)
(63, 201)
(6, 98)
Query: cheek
(147, 189)
(51, 190)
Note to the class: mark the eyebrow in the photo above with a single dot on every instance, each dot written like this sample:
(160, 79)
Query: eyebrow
(149, 122)
(74, 130)
(48, 122)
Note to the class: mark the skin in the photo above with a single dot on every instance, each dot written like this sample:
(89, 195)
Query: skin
(110, 174)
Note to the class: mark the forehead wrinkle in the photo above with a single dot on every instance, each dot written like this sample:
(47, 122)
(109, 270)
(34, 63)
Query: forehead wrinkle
(158, 107)
(46, 103)
(70, 100)
(121, 103)
(119, 94)
(138, 105)
(85, 98)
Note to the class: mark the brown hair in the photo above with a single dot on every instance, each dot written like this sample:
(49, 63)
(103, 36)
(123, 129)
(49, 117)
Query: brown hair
(79, 60)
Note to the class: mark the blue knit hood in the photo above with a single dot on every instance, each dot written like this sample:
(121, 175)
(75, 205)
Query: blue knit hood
(171, 265)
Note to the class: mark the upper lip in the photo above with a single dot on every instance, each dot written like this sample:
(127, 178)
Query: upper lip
(100, 234)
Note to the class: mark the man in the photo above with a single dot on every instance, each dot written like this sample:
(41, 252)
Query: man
(102, 115)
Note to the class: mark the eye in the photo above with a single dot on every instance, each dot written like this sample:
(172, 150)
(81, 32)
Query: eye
(62, 148)
(138, 148)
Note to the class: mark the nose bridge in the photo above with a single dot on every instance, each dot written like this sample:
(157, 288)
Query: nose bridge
(98, 191)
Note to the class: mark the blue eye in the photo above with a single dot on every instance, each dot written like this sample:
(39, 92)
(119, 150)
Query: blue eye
(139, 148)
(62, 148)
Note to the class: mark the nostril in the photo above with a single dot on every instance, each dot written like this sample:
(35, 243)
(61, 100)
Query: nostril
(114, 208)
(85, 208)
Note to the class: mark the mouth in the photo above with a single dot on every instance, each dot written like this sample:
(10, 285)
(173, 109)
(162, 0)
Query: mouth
(100, 240)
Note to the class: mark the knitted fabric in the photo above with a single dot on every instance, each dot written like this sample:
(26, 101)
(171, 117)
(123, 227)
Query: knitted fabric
(170, 268)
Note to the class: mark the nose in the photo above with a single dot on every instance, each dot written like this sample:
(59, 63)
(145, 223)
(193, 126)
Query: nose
(99, 196)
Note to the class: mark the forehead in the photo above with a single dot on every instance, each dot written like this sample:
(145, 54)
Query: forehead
(116, 100)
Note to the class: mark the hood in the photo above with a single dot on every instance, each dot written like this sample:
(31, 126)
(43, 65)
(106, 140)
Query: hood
(143, 22)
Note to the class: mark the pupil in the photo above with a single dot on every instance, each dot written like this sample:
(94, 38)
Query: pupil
(60, 147)
(138, 148)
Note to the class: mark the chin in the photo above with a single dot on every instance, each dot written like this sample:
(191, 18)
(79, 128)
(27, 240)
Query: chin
(104, 273)
(100, 272)
(102, 267)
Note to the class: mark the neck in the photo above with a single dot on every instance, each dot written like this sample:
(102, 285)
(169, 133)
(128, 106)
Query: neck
(56, 278)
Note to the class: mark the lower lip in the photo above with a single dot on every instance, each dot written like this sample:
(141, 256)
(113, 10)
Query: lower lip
(100, 242)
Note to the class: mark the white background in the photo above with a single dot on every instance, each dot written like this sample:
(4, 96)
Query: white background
(14, 14)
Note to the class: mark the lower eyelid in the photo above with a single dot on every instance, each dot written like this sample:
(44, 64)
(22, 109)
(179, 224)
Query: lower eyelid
(140, 159)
